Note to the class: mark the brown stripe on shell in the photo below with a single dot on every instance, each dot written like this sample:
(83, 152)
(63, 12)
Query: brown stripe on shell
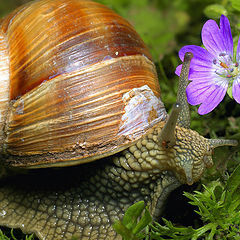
(78, 113)
(50, 38)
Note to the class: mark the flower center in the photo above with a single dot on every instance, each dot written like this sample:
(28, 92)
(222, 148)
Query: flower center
(225, 67)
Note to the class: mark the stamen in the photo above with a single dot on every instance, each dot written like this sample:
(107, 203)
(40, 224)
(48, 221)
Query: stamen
(224, 65)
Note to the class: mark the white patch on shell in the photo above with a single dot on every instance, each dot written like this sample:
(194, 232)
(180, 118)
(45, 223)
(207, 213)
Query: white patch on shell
(142, 110)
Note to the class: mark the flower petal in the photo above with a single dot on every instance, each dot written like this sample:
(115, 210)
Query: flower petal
(199, 53)
(236, 90)
(201, 61)
(238, 51)
(213, 99)
(197, 92)
(213, 38)
(225, 30)
(178, 70)
(206, 75)
(201, 75)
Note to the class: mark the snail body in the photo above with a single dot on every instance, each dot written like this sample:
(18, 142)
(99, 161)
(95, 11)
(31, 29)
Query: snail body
(79, 90)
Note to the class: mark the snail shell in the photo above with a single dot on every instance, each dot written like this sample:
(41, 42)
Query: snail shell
(77, 84)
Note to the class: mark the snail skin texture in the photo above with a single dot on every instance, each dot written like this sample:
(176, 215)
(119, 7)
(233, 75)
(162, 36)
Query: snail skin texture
(83, 131)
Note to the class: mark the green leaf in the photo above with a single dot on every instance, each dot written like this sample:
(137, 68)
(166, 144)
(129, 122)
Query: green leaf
(236, 4)
(3, 237)
(123, 231)
(233, 184)
(12, 235)
(215, 11)
(143, 222)
(201, 231)
(132, 214)
(229, 92)
(131, 226)
(169, 230)
(218, 191)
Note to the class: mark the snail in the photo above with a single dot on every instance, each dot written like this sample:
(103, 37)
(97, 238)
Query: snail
(81, 111)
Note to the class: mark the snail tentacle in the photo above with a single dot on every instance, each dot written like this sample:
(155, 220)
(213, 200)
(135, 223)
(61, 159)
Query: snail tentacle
(167, 135)
(184, 116)
(222, 142)
(180, 113)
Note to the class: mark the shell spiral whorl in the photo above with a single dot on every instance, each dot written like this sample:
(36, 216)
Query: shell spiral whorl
(71, 62)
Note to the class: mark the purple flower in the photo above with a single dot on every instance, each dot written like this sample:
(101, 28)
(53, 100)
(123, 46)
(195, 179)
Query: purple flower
(212, 70)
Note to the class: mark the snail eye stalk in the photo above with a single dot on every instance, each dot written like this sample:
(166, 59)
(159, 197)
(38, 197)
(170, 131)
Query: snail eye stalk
(184, 116)
(180, 113)
(222, 142)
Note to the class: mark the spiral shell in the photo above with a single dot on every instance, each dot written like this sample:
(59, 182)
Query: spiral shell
(77, 84)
